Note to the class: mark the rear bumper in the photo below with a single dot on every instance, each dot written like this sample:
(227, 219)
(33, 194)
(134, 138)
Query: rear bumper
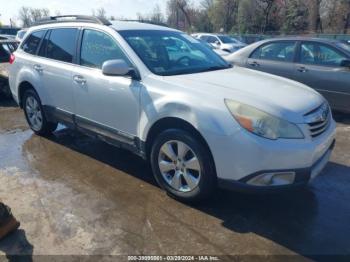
(300, 178)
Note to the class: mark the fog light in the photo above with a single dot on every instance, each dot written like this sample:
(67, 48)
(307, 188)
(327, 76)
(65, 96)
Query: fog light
(273, 179)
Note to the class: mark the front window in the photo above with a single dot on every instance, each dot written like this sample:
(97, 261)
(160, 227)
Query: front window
(172, 53)
(97, 48)
(276, 51)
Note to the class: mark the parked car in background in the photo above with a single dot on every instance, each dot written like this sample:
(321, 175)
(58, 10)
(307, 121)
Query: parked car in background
(220, 52)
(7, 47)
(7, 37)
(20, 34)
(223, 42)
(347, 42)
(161, 94)
(9, 31)
(322, 64)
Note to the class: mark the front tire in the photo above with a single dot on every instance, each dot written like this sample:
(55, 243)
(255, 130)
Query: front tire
(35, 115)
(183, 166)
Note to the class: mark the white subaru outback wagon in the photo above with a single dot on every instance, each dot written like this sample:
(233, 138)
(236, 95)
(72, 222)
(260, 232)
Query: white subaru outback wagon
(160, 93)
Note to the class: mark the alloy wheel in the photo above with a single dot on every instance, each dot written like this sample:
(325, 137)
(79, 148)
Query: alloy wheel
(179, 166)
(34, 114)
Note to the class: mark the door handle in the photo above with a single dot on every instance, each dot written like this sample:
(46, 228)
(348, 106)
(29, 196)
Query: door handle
(79, 80)
(302, 69)
(38, 68)
(255, 64)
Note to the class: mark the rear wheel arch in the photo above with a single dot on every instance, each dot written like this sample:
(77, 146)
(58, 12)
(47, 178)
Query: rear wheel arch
(23, 87)
(174, 123)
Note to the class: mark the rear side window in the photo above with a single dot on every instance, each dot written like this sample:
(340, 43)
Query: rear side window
(277, 51)
(31, 44)
(61, 44)
(320, 54)
(97, 48)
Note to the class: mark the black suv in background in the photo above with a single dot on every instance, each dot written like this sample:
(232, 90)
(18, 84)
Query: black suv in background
(7, 47)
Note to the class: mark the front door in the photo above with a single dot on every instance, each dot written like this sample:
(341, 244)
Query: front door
(108, 105)
(274, 58)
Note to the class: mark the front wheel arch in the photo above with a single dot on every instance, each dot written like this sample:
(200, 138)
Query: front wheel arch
(174, 123)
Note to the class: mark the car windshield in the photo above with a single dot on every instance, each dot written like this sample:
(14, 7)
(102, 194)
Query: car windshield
(169, 53)
(227, 40)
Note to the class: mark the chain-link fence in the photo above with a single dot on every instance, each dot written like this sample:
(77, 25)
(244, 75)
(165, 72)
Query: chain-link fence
(252, 38)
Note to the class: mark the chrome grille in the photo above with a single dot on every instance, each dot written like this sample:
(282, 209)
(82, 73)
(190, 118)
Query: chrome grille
(318, 120)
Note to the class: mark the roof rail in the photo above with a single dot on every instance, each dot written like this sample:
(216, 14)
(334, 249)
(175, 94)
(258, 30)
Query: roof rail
(72, 18)
(144, 21)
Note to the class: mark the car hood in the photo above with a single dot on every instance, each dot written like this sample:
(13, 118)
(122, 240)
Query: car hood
(275, 95)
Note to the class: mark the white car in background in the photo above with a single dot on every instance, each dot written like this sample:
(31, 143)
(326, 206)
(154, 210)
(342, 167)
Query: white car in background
(222, 42)
(20, 34)
(220, 52)
(159, 93)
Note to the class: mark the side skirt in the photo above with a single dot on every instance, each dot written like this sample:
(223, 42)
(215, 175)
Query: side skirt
(95, 130)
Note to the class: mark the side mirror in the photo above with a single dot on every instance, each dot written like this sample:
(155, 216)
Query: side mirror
(118, 67)
(345, 63)
(217, 43)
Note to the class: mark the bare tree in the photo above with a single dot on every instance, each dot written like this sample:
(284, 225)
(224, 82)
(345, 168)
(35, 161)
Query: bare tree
(39, 13)
(178, 14)
(100, 13)
(156, 16)
(182, 5)
(315, 22)
(207, 4)
(224, 14)
(346, 4)
(266, 6)
(28, 15)
(24, 16)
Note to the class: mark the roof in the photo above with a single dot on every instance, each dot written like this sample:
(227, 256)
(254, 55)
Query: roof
(302, 38)
(79, 20)
(132, 25)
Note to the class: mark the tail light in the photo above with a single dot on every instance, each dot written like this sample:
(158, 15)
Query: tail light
(12, 59)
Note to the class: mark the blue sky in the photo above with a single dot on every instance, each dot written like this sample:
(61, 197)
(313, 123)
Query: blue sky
(118, 8)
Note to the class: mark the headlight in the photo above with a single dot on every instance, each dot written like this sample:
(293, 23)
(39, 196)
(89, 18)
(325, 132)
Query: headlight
(261, 123)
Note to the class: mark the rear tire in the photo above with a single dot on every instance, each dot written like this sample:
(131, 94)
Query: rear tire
(183, 166)
(35, 114)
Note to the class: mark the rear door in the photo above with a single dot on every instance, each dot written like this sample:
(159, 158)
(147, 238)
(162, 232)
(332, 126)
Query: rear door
(319, 66)
(55, 67)
(275, 58)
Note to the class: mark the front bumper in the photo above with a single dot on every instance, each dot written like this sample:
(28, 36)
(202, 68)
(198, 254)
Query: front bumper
(272, 180)
(241, 157)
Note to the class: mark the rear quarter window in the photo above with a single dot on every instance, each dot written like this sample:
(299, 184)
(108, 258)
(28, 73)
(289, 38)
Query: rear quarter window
(32, 42)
